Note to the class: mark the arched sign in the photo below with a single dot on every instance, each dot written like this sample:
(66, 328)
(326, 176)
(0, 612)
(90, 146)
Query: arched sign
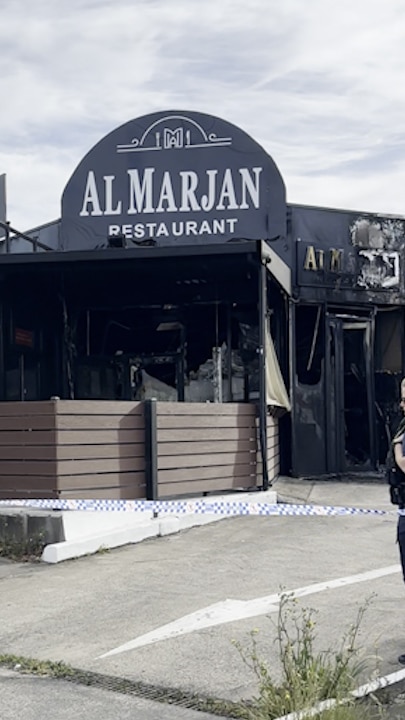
(173, 178)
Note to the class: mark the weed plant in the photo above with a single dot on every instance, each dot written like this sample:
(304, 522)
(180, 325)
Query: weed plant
(29, 549)
(313, 684)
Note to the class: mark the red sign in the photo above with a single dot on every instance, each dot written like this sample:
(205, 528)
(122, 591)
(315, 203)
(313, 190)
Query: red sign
(24, 337)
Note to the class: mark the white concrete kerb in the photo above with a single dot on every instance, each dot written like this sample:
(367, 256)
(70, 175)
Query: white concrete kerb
(87, 532)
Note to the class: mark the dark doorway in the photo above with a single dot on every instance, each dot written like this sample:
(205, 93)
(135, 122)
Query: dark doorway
(350, 423)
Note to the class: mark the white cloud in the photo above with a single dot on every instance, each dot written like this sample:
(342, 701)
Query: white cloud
(318, 84)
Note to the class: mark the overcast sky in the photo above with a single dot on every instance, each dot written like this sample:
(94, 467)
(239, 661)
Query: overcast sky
(318, 83)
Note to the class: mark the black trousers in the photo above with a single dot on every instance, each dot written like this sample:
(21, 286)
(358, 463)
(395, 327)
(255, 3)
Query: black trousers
(401, 541)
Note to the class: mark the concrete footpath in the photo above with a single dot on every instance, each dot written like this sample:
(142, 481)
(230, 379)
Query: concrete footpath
(165, 613)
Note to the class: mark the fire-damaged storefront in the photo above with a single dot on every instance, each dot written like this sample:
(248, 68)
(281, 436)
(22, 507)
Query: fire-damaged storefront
(347, 336)
(178, 271)
(167, 277)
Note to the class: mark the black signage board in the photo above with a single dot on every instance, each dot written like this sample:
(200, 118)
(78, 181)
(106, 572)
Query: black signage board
(173, 178)
(348, 250)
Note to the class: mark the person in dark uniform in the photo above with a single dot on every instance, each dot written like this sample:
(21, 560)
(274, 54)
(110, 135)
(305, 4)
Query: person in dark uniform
(398, 443)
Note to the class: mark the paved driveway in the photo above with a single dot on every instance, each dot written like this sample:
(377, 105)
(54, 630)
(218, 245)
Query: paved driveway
(165, 612)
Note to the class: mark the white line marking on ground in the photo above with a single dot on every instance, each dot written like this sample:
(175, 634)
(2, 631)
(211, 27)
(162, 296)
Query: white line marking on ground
(228, 611)
(360, 692)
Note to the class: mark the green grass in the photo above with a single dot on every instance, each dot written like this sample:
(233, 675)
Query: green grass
(33, 666)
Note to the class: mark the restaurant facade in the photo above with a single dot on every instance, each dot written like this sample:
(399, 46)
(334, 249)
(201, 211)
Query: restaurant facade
(178, 271)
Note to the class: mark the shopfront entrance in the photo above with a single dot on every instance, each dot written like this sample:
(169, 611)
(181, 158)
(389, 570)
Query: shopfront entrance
(334, 416)
(349, 403)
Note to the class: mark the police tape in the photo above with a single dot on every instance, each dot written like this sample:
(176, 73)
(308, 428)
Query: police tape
(198, 507)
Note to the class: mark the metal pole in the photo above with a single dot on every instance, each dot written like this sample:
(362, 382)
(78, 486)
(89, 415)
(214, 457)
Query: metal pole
(217, 379)
(152, 489)
(22, 376)
(229, 351)
(88, 333)
(6, 227)
(262, 371)
(34, 241)
(181, 365)
(368, 345)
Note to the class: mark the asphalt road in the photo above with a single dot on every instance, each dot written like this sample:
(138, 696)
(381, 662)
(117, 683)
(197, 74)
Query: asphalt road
(166, 612)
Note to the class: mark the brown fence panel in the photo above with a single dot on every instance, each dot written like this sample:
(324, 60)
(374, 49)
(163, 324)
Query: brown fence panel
(27, 450)
(72, 449)
(205, 447)
(100, 449)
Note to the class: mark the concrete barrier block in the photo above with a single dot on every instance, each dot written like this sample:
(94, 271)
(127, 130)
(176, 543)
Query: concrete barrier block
(19, 526)
(12, 527)
(47, 527)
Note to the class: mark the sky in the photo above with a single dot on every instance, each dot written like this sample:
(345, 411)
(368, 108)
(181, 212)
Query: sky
(318, 83)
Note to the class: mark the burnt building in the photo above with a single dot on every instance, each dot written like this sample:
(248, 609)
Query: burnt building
(347, 335)
(178, 270)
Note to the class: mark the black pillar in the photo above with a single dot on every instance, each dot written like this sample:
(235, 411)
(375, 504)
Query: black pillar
(262, 372)
(152, 490)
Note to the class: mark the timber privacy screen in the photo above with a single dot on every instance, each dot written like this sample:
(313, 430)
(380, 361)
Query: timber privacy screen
(130, 450)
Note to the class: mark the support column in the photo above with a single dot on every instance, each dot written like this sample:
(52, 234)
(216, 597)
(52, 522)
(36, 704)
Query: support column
(152, 490)
(262, 371)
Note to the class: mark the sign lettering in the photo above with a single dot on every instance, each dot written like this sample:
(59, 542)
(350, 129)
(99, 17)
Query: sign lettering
(174, 178)
(315, 260)
(146, 195)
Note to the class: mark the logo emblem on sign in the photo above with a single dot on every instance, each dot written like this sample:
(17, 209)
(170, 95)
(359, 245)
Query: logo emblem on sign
(160, 137)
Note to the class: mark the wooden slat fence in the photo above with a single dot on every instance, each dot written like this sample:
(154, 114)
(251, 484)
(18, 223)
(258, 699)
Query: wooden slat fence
(72, 449)
(27, 450)
(107, 449)
(203, 447)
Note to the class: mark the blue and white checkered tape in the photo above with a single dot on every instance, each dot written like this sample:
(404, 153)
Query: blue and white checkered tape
(198, 507)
